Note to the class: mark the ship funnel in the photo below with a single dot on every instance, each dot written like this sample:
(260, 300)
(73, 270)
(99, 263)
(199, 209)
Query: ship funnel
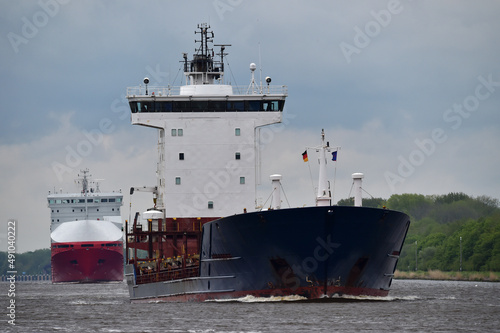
(357, 180)
(276, 203)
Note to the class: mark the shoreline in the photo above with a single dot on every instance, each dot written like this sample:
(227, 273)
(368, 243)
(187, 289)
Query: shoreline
(453, 276)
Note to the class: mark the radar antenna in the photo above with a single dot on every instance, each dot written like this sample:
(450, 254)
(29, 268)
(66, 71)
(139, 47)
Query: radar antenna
(203, 68)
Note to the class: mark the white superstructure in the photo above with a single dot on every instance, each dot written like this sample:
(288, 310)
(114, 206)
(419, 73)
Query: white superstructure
(208, 136)
(89, 204)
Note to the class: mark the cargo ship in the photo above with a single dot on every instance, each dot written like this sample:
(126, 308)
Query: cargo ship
(86, 234)
(207, 237)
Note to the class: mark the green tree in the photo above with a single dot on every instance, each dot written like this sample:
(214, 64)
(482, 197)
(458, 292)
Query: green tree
(415, 205)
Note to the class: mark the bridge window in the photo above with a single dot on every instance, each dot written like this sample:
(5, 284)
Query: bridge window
(270, 106)
(199, 106)
(182, 106)
(235, 106)
(252, 106)
(166, 106)
(207, 106)
(216, 106)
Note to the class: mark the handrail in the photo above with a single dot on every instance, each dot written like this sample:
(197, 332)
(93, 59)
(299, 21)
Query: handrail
(159, 91)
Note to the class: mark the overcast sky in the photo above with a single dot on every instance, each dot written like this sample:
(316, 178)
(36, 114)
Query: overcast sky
(410, 90)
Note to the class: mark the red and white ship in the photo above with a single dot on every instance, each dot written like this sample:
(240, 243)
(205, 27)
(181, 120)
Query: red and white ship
(86, 234)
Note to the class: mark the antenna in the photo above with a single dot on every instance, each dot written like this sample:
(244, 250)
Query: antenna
(260, 65)
(146, 81)
(222, 54)
(251, 87)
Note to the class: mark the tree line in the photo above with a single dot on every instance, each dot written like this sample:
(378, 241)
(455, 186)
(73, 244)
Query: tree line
(29, 263)
(449, 232)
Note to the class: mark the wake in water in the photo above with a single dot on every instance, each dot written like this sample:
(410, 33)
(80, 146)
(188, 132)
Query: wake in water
(253, 299)
(297, 298)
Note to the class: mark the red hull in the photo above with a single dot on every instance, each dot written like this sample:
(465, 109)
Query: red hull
(87, 262)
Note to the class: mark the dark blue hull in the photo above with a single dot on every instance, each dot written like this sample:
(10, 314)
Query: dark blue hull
(312, 252)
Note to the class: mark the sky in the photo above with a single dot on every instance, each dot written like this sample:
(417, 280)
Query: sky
(410, 91)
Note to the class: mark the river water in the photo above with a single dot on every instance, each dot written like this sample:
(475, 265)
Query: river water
(413, 306)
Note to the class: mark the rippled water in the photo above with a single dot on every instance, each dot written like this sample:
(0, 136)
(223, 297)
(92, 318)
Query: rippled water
(413, 306)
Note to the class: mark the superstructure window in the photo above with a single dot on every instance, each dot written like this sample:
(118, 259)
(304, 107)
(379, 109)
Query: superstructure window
(181, 156)
(252, 106)
(199, 106)
(104, 200)
(242, 180)
(177, 180)
(237, 131)
(177, 132)
(112, 199)
(270, 105)
(207, 106)
(237, 156)
(216, 106)
(235, 106)
(210, 205)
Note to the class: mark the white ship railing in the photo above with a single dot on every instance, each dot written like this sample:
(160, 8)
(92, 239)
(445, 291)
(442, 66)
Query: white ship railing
(175, 90)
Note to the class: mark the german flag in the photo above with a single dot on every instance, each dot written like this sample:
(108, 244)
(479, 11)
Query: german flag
(304, 156)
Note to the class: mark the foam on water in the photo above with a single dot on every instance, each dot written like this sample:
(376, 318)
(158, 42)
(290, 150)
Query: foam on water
(253, 299)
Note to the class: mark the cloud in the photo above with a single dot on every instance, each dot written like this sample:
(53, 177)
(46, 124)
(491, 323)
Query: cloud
(123, 159)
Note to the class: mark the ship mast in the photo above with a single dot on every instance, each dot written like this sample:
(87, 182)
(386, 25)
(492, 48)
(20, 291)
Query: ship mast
(323, 197)
(203, 68)
(85, 189)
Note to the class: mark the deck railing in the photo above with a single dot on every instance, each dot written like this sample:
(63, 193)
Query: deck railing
(167, 275)
(157, 91)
